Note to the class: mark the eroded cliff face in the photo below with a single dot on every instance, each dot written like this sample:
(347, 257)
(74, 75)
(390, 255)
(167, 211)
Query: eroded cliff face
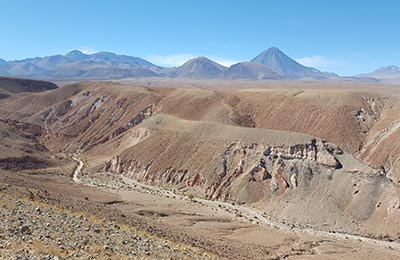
(283, 167)
(369, 112)
(311, 182)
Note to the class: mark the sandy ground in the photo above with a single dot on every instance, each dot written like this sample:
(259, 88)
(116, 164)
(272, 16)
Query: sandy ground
(225, 84)
(383, 88)
(212, 227)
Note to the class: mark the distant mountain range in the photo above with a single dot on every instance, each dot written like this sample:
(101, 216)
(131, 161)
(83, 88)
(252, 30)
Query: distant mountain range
(271, 64)
(386, 74)
(77, 65)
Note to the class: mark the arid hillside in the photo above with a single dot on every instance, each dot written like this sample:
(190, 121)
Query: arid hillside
(93, 112)
(322, 160)
(9, 86)
(294, 153)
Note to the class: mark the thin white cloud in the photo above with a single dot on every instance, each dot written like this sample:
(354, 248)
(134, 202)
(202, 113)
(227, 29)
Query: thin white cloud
(315, 61)
(87, 50)
(175, 60)
(224, 62)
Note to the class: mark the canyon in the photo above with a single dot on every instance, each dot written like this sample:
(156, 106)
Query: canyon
(315, 164)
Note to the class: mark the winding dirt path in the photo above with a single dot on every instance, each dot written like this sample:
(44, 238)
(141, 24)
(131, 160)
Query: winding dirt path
(255, 216)
(247, 214)
(78, 169)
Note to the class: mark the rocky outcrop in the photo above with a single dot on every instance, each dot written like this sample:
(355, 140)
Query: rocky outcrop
(321, 152)
(371, 111)
(240, 119)
(327, 159)
(142, 115)
(34, 130)
(260, 173)
(138, 171)
(278, 184)
(282, 167)
(63, 108)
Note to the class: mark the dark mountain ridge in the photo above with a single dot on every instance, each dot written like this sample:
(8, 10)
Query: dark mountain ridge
(76, 65)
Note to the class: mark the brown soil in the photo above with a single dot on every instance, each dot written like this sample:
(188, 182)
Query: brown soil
(310, 155)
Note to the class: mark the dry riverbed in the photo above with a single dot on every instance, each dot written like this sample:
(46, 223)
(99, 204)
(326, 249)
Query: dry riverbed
(108, 217)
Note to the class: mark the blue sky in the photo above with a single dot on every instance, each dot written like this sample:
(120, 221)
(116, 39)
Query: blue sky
(347, 37)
